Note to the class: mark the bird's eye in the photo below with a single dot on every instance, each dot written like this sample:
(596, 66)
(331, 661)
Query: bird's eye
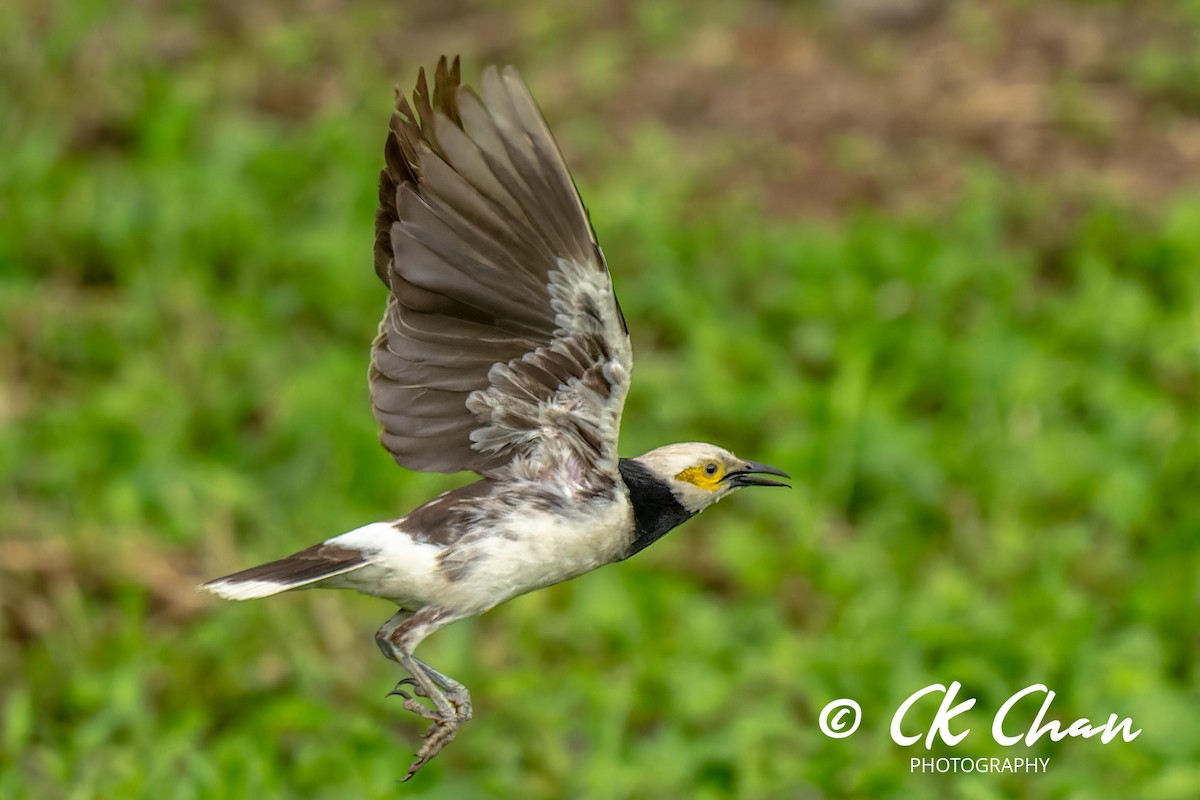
(710, 468)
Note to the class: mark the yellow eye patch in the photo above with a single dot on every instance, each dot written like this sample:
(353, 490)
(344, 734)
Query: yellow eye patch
(706, 475)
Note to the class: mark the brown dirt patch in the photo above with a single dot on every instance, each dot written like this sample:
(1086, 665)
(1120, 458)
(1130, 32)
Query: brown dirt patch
(830, 113)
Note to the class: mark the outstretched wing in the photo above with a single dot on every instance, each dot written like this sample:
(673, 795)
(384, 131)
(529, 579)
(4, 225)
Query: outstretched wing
(503, 349)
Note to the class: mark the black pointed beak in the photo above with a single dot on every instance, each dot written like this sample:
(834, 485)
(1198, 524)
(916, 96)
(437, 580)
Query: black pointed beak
(749, 475)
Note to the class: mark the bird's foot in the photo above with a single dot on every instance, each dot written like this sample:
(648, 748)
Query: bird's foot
(439, 735)
(442, 732)
(411, 703)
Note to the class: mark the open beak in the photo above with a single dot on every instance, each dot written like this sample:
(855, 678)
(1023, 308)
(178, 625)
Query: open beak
(750, 472)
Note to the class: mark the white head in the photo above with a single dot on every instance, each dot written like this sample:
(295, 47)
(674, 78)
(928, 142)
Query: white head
(700, 474)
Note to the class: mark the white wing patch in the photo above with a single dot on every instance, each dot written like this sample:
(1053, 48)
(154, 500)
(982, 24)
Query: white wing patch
(583, 300)
(558, 408)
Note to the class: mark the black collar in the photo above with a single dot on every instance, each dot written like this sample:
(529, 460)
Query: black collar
(656, 510)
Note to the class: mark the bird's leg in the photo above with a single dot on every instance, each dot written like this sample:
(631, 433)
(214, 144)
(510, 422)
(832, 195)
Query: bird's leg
(394, 644)
(452, 703)
(386, 637)
(455, 692)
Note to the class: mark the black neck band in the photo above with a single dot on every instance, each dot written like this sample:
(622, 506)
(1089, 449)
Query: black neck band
(655, 507)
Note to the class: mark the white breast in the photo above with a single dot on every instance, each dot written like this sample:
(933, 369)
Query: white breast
(534, 549)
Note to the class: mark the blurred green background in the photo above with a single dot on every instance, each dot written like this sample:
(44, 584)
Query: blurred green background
(939, 260)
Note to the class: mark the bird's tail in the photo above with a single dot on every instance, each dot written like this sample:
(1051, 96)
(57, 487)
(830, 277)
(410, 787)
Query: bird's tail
(306, 568)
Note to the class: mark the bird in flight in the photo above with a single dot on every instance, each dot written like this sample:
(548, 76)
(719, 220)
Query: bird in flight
(503, 351)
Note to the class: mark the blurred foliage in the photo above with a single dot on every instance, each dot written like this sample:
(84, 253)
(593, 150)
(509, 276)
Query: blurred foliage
(990, 409)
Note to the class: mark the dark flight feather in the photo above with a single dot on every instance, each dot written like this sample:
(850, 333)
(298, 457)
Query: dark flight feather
(501, 315)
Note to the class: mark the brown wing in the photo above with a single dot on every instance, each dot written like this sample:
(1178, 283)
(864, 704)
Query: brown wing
(503, 349)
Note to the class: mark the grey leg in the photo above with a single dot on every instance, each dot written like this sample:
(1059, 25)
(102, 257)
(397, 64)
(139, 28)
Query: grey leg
(397, 639)
(445, 683)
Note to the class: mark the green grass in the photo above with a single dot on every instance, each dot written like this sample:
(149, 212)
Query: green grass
(991, 416)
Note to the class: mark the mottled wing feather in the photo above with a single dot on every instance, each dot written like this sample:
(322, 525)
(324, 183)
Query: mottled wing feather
(503, 349)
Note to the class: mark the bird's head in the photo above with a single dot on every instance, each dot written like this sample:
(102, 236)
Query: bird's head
(700, 474)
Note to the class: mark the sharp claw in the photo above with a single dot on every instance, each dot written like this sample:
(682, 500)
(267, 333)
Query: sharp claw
(417, 690)
(440, 734)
